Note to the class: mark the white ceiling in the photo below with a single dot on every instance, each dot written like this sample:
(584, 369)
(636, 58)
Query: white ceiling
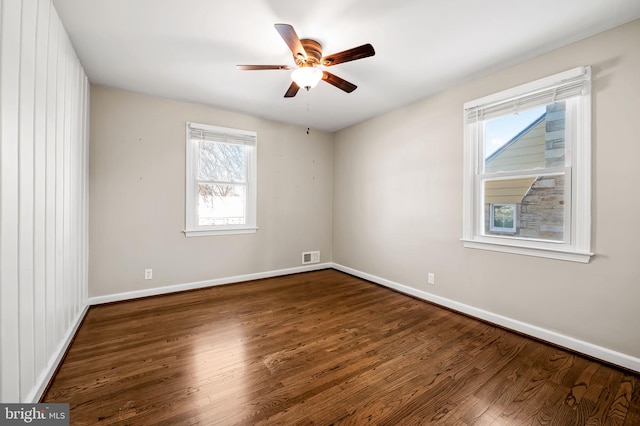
(188, 49)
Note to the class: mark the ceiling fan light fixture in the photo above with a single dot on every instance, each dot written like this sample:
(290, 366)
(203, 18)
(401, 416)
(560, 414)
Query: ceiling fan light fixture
(307, 77)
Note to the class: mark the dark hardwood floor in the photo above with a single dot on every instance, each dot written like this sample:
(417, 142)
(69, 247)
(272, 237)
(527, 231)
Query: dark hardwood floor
(324, 348)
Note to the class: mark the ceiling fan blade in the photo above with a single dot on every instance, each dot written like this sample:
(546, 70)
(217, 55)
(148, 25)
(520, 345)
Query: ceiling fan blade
(338, 82)
(292, 90)
(291, 38)
(262, 67)
(359, 52)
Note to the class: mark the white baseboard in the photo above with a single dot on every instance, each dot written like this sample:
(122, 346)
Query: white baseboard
(41, 384)
(610, 356)
(118, 297)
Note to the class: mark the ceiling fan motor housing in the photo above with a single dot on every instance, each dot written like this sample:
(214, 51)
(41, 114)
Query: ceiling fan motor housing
(314, 53)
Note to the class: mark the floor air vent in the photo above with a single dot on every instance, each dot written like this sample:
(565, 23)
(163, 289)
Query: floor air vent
(310, 257)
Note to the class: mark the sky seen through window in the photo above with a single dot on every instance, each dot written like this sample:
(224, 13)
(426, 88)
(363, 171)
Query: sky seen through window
(501, 130)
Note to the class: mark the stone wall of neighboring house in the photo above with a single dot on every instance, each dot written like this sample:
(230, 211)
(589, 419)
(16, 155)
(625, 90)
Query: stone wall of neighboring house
(554, 136)
(542, 209)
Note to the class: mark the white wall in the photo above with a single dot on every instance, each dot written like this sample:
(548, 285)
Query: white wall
(398, 203)
(43, 195)
(137, 201)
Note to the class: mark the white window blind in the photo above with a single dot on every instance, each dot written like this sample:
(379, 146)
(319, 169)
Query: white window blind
(202, 132)
(572, 83)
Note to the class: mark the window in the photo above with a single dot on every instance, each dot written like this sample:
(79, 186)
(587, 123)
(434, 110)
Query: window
(503, 218)
(220, 180)
(527, 169)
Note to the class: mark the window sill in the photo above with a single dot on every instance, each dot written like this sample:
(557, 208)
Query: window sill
(212, 232)
(549, 253)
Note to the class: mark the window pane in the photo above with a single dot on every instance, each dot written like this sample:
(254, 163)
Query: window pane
(222, 162)
(531, 139)
(530, 207)
(221, 204)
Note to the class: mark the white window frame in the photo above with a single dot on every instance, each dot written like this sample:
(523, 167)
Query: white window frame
(493, 227)
(562, 86)
(223, 135)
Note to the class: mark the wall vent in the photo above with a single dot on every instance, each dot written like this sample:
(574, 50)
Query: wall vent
(310, 257)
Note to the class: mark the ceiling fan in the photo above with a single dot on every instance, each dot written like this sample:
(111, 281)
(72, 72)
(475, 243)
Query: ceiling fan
(307, 54)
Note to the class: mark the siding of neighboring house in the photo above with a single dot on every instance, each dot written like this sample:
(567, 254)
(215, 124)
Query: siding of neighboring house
(508, 191)
(525, 151)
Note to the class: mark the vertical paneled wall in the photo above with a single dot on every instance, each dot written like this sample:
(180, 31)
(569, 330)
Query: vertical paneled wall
(43, 195)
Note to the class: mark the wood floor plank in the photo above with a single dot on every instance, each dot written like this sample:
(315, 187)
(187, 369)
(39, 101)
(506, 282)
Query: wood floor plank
(633, 415)
(323, 348)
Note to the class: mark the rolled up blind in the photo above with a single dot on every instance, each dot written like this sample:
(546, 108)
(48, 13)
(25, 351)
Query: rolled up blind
(570, 84)
(202, 132)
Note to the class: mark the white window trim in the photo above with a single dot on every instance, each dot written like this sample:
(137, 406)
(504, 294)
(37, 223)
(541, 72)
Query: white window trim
(578, 248)
(192, 229)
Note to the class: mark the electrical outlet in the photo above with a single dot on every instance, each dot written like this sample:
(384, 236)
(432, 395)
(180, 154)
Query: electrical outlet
(148, 274)
(431, 278)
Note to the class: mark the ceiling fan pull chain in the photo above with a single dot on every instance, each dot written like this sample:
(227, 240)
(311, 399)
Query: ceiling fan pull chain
(308, 113)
